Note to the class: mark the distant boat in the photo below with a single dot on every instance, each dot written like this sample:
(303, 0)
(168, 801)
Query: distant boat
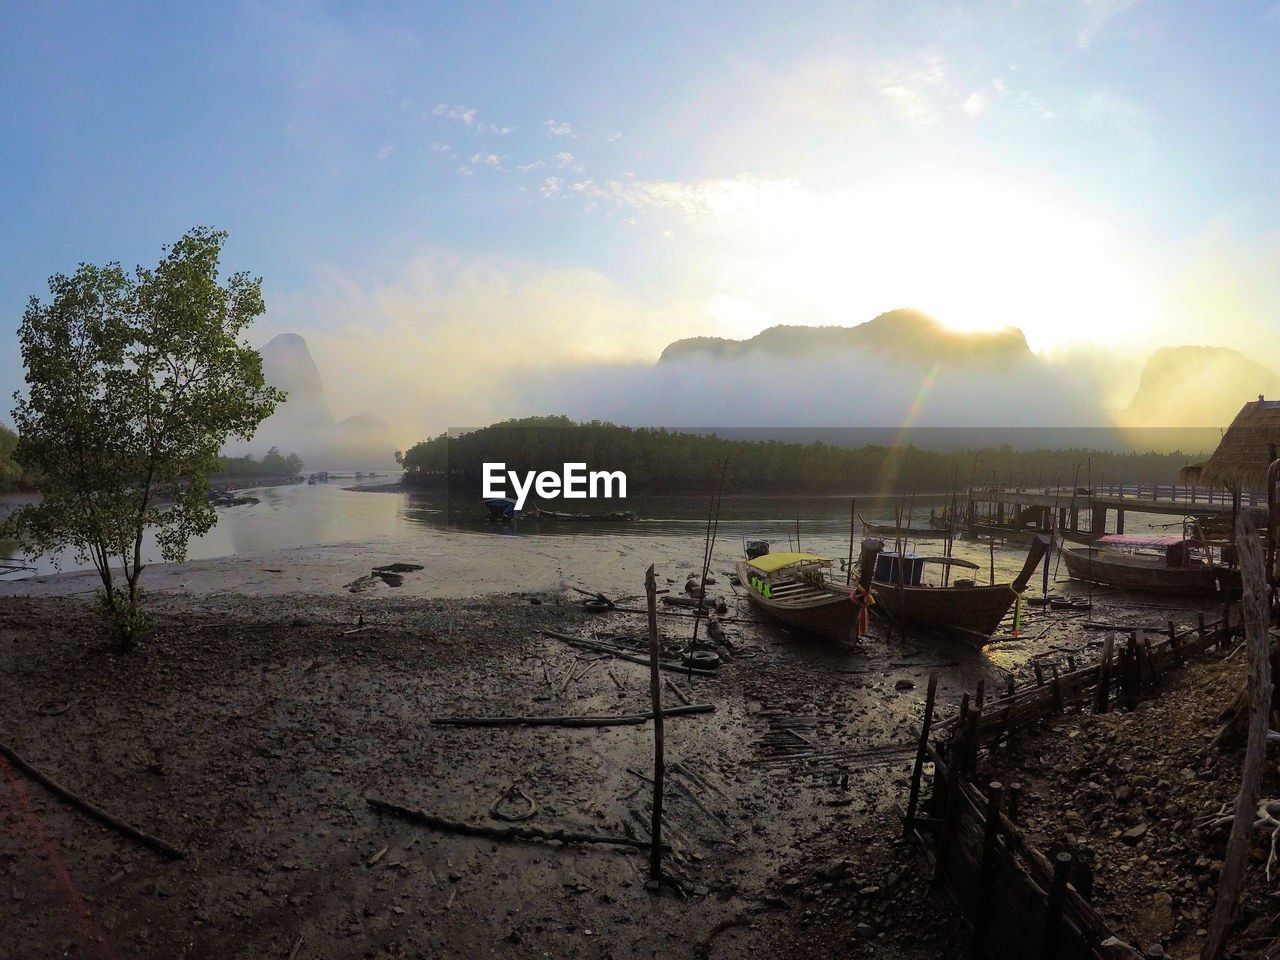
(963, 609)
(935, 530)
(1150, 564)
(614, 515)
(501, 509)
(792, 589)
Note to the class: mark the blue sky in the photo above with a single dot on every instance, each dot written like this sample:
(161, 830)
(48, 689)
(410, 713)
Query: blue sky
(584, 182)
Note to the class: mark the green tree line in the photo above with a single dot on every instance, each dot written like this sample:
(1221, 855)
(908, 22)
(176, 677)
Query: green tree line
(14, 476)
(660, 461)
(273, 464)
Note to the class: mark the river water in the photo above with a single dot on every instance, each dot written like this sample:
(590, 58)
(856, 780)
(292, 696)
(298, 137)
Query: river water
(299, 516)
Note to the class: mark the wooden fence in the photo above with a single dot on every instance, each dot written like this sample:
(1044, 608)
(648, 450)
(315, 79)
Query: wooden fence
(1021, 904)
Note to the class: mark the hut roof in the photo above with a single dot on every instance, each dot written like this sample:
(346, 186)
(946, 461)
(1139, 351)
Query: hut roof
(1243, 455)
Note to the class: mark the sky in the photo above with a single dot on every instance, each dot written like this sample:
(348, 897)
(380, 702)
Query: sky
(463, 207)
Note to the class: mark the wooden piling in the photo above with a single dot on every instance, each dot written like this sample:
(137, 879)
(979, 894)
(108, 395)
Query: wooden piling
(1052, 939)
(913, 798)
(1102, 699)
(987, 869)
(655, 694)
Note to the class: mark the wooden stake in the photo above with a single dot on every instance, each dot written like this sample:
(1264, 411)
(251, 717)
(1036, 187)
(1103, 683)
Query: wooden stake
(1100, 704)
(1255, 618)
(913, 799)
(655, 693)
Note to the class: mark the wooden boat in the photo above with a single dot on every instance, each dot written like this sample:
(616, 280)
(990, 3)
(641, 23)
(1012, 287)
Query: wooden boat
(1169, 565)
(792, 589)
(963, 610)
(501, 509)
(934, 531)
(615, 515)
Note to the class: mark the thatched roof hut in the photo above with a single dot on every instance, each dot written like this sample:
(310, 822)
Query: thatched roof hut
(1241, 460)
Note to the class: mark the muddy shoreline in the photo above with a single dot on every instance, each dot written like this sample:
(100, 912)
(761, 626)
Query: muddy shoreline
(273, 699)
(250, 734)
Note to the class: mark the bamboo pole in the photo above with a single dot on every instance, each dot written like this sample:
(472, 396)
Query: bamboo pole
(914, 797)
(93, 810)
(500, 833)
(655, 693)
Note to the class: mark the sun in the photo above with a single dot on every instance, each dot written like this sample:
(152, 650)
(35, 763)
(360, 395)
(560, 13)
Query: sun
(975, 256)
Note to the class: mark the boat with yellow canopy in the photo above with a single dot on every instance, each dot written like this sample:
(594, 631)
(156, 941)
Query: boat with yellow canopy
(793, 589)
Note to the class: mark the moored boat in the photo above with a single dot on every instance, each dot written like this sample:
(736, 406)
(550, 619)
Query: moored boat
(613, 515)
(792, 588)
(1150, 564)
(963, 609)
(501, 509)
(933, 531)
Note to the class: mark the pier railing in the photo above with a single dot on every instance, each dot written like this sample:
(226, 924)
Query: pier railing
(1165, 492)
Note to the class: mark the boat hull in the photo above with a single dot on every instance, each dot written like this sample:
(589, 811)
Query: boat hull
(970, 614)
(1147, 574)
(827, 612)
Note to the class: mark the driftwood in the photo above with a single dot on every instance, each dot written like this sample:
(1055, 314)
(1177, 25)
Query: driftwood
(501, 833)
(115, 823)
(1255, 623)
(614, 721)
(623, 654)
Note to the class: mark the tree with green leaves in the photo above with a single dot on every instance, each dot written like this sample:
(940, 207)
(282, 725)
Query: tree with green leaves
(134, 383)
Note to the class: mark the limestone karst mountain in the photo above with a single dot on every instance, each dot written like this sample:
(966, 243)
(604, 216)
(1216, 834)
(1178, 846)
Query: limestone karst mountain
(1197, 387)
(305, 424)
(903, 336)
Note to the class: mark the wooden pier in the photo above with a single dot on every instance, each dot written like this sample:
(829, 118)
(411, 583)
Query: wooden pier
(1035, 508)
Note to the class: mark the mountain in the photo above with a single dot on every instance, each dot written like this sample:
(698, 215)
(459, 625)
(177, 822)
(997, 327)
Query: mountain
(287, 364)
(1197, 387)
(305, 424)
(902, 336)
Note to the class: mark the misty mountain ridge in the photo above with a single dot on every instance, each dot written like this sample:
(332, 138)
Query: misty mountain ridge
(904, 336)
(305, 424)
(1197, 386)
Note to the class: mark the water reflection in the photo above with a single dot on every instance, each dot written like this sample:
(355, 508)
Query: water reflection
(305, 515)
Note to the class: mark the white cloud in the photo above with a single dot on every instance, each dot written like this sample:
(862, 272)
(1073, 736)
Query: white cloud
(975, 104)
(910, 84)
(555, 129)
(494, 129)
(385, 151)
(491, 160)
(613, 136)
(1122, 113)
(565, 161)
(1034, 102)
(441, 147)
(534, 165)
(1097, 14)
(466, 114)
(550, 187)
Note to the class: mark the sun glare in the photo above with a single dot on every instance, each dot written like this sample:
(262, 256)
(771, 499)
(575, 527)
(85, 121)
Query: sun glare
(972, 256)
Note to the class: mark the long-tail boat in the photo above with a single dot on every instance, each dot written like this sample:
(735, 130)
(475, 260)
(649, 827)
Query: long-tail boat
(963, 609)
(613, 515)
(936, 530)
(792, 588)
(1150, 564)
